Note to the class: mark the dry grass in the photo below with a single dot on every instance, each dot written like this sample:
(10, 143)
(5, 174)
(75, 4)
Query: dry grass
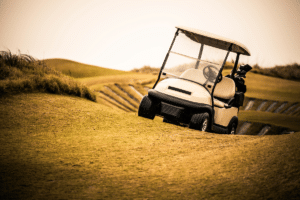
(271, 88)
(289, 71)
(80, 70)
(22, 73)
(97, 83)
(276, 119)
(66, 147)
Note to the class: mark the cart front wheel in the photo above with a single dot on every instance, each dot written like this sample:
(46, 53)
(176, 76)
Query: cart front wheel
(200, 121)
(146, 108)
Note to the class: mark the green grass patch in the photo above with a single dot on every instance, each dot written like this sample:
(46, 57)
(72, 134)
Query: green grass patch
(80, 70)
(62, 147)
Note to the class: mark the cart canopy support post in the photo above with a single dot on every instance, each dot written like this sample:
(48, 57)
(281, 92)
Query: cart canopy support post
(235, 65)
(199, 56)
(166, 58)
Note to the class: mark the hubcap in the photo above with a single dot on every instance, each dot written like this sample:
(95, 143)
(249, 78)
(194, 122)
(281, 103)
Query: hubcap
(232, 130)
(204, 124)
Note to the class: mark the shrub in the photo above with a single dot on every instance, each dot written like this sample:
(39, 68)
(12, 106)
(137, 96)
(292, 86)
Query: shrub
(22, 73)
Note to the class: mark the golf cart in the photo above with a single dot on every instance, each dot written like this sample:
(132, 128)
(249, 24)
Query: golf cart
(190, 88)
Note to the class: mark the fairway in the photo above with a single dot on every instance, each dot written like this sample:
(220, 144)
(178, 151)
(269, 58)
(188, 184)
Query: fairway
(149, 100)
(67, 147)
(64, 147)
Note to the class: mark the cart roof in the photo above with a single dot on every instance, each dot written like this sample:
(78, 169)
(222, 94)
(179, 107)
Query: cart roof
(213, 40)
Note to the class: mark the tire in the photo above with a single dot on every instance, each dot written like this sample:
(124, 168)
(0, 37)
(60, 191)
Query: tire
(146, 108)
(231, 128)
(200, 122)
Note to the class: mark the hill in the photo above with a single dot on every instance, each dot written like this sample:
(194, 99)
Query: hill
(80, 70)
(65, 147)
(55, 146)
(289, 71)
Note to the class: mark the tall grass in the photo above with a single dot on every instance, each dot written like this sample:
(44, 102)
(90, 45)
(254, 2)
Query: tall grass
(289, 71)
(22, 73)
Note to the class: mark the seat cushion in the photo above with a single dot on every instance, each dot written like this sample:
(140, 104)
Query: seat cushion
(225, 89)
(195, 75)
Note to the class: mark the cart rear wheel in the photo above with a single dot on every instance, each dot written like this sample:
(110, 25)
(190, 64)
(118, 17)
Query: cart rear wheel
(231, 129)
(146, 108)
(200, 121)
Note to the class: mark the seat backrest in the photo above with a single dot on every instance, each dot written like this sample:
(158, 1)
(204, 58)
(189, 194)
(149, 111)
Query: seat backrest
(225, 89)
(195, 75)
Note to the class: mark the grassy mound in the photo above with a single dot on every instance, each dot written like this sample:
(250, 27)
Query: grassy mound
(54, 146)
(22, 73)
(80, 70)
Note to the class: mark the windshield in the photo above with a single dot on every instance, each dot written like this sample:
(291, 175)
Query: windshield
(194, 62)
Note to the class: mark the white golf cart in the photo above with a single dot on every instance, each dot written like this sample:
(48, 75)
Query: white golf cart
(190, 89)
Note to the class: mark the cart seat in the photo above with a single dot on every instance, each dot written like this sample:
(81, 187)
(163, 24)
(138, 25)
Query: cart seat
(225, 89)
(195, 75)
(224, 92)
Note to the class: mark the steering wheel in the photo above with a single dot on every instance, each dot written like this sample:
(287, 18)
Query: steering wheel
(210, 72)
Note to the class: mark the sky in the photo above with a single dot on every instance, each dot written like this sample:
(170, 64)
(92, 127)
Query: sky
(128, 34)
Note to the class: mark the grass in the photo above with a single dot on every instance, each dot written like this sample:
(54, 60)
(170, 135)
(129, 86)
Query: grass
(80, 70)
(258, 86)
(289, 71)
(65, 147)
(22, 73)
(54, 146)
(271, 88)
(276, 119)
(115, 96)
(97, 83)
(124, 95)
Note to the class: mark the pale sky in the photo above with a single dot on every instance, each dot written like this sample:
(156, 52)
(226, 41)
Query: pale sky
(127, 34)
